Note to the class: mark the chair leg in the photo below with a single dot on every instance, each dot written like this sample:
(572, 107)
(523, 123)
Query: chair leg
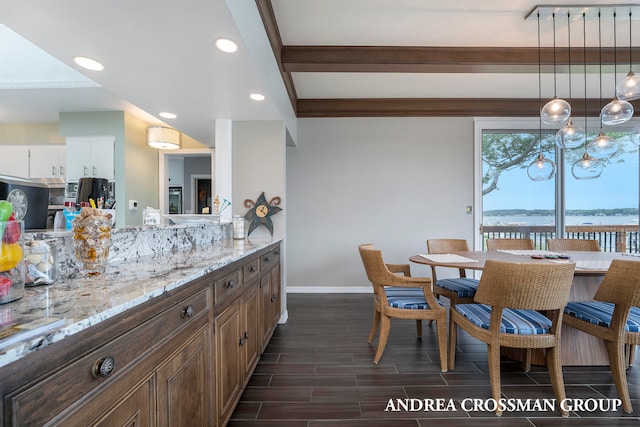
(374, 325)
(554, 365)
(632, 354)
(442, 342)
(419, 329)
(526, 363)
(385, 325)
(618, 363)
(453, 343)
(493, 352)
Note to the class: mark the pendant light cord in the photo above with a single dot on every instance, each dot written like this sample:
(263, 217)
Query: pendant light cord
(630, 62)
(600, 61)
(584, 54)
(539, 89)
(615, 53)
(569, 54)
(555, 90)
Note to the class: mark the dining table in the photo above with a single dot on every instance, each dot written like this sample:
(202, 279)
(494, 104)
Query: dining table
(577, 348)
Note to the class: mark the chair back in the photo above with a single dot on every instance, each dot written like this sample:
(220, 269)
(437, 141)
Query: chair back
(621, 284)
(444, 246)
(495, 244)
(573, 245)
(529, 286)
(377, 271)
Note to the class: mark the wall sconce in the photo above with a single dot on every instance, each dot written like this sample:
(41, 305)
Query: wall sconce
(164, 138)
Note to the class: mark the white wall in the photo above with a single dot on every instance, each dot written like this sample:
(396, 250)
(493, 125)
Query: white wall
(394, 182)
(259, 165)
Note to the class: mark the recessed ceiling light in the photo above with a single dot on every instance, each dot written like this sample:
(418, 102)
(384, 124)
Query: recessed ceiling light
(88, 63)
(167, 115)
(226, 45)
(257, 96)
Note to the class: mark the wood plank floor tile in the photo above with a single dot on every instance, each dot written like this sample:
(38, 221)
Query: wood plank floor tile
(318, 371)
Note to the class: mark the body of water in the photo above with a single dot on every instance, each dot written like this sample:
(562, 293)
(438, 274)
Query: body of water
(550, 220)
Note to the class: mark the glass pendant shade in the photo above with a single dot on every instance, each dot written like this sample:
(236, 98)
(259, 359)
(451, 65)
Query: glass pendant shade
(629, 88)
(616, 112)
(541, 169)
(586, 168)
(602, 147)
(570, 136)
(555, 111)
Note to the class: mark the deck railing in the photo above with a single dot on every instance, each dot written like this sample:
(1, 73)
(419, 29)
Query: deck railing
(612, 238)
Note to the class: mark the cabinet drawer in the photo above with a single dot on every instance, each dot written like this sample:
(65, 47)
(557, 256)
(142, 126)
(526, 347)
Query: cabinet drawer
(251, 270)
(271, 258)
(227, 285)
(45, 399)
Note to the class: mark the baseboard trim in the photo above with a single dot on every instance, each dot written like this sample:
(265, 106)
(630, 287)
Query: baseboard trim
(329, 290)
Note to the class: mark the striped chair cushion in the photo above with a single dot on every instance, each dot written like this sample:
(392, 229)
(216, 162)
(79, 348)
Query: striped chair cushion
(599, 313)
(407, 298)
(393, 291)
(464, 286)
(514, 321)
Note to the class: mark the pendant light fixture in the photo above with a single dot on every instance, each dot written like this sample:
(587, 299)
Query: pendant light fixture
(570, 135)
(557, 110)
(163, 138)
(603, 146)
(541, 169)
(586, 167)
(616, 112)
(629, 88)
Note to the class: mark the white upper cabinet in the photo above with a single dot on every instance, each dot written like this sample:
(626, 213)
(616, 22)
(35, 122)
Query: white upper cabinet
(90, 156)
(47, 161)
(176, 171)
(14, 160)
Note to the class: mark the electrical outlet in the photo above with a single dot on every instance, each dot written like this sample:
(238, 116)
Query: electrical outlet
(133, 205)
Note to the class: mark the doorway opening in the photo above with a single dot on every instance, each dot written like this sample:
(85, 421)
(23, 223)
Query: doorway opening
(202, 197)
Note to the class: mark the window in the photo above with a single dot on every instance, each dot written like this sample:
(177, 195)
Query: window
(512, 205)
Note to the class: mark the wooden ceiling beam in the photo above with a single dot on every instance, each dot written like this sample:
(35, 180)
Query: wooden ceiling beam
(431, 107)
(409, 59)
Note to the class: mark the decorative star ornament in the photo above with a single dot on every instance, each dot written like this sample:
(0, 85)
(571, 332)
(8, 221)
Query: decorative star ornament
(261, 211)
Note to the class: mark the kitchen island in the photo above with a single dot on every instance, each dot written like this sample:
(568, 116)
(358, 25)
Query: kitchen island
(164, 336)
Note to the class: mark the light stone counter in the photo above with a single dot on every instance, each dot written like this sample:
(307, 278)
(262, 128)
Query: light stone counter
(144, 263)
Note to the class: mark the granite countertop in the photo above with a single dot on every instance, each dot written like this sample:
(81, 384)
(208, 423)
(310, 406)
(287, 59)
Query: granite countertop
(85, 301)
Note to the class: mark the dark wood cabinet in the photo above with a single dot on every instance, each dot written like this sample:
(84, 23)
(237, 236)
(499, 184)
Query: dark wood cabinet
(180, 359)
(270, 285)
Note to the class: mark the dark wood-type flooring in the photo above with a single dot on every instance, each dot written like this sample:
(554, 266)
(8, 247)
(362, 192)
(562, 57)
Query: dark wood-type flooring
(318, 371)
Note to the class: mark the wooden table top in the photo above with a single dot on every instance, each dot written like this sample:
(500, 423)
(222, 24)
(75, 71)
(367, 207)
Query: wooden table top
(587, 263)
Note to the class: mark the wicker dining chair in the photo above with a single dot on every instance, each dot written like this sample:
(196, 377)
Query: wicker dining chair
(456, 289)
(524, 244)
(409, 306)
(508, 312)
(573, 245)
(614, 317)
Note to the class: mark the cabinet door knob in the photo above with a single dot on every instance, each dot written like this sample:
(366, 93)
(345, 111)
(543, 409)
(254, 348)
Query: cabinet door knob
(187, 311)
(86, 170)
(230, 284)
(276, 252)
(53, 171)
(61, 170)
(266, 259)
(103, 367)
(273, 298)
(252, 269)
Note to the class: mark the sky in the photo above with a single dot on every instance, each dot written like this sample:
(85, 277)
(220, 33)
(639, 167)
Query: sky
(617, 187)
